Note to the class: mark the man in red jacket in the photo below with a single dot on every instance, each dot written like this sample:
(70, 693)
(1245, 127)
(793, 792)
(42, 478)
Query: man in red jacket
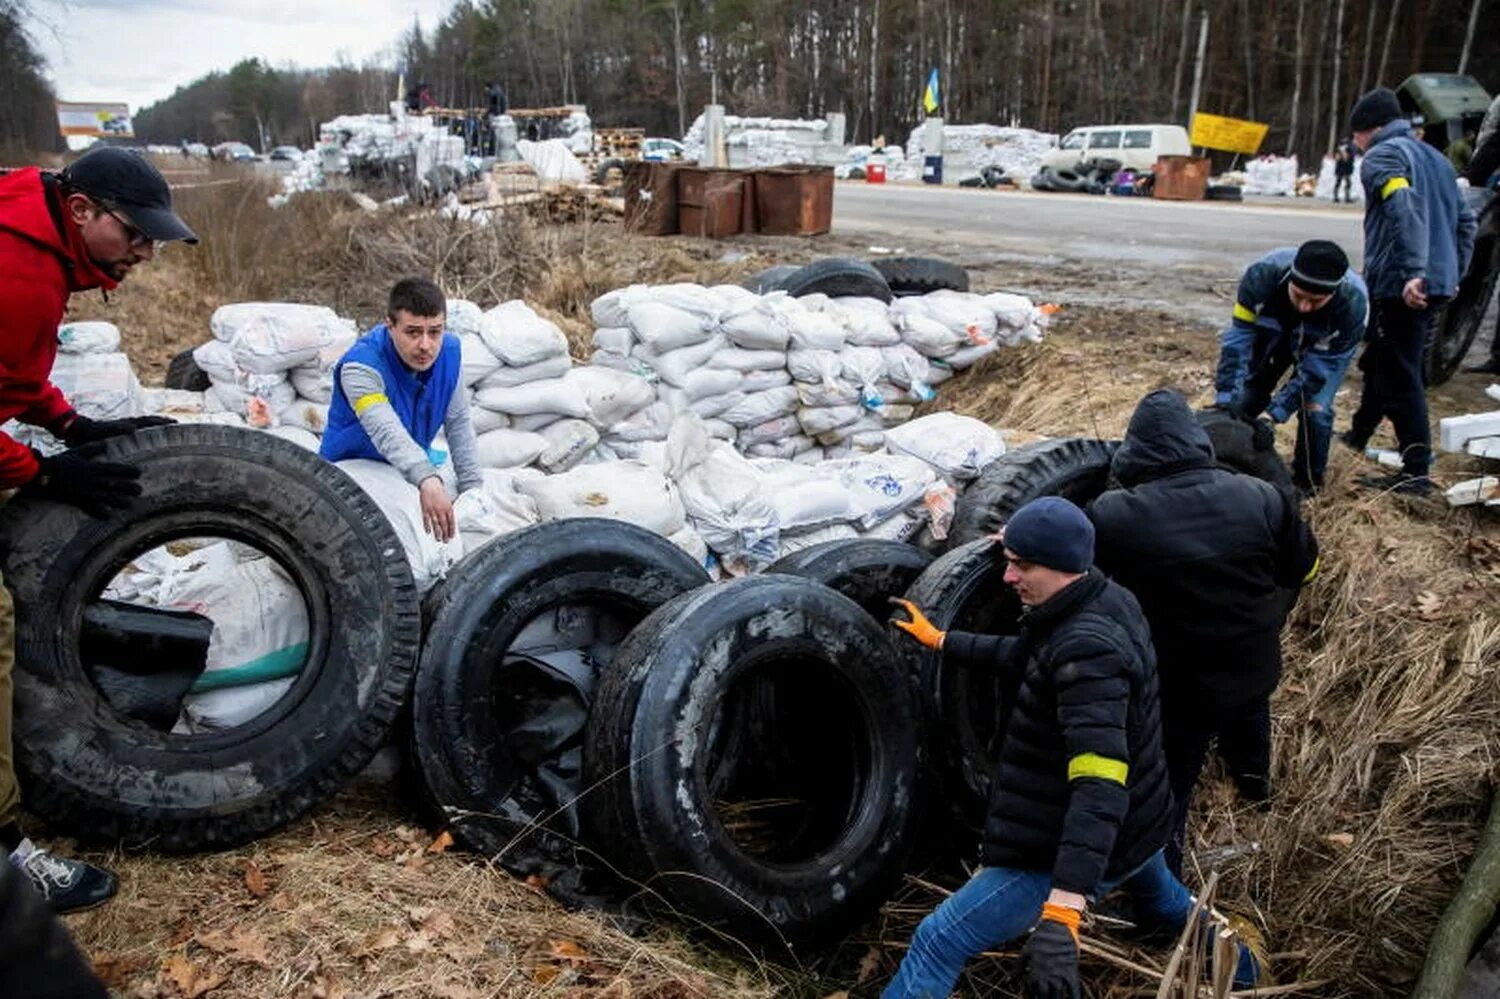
(85, 227)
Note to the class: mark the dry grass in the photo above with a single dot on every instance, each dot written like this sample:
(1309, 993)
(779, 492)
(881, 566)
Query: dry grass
(1386, 721)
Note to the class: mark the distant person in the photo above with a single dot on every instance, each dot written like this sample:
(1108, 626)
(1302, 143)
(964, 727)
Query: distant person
(1343, 172)
(395, 389)
(1419, 235)
(413, 100)
(495, 95)
(88, 226)
(1298, 309)
(1460, 152)
(1213, 588)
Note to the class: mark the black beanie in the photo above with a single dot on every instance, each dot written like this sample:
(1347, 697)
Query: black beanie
(1051, 531)
(1319, 267)
(1378, 107)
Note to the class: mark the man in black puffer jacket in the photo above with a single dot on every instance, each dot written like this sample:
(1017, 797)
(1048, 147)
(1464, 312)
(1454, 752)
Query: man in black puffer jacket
(1213, 557)
(1080, 801)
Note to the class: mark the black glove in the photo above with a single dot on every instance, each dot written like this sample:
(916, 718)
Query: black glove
(78, 478)
(1050, 958)
(86, 431)
(1262, 434)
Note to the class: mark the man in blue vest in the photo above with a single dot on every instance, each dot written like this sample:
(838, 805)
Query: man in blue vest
(395, 389)
(1300, 309)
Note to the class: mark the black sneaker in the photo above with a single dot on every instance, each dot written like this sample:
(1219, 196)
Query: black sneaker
(67, 885)
(1398, 482)
(1349, 441)
(1489, 367)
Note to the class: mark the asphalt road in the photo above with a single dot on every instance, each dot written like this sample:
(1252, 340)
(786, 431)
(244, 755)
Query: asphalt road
(1212, 236)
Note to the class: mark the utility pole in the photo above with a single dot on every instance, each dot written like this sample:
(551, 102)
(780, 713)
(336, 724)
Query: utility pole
(1198, 66)
(1463, 60)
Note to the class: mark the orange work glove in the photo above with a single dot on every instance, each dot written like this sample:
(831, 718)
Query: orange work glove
(918, 626)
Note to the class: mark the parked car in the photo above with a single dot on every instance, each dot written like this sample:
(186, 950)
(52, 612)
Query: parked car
(286, 153)
(1133, 146)
(657, 150)
(233, 152)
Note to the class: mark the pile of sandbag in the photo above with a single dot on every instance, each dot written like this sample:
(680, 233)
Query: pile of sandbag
(1271, 175)
(95, 376)
(1328, 178)
(271, 363)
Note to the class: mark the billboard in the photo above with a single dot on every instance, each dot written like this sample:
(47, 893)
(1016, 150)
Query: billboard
(1234, 135)
(98, 121)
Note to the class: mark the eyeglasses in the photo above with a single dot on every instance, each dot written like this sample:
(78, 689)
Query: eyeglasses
(133, 233)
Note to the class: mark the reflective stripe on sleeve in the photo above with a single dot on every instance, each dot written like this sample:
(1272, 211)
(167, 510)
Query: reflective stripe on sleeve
(1243, 314)
(1094, 765)
(1313, 572)
(364, 402)
(1392, 186)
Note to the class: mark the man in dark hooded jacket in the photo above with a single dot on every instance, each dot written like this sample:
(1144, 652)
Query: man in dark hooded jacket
(1211, 556)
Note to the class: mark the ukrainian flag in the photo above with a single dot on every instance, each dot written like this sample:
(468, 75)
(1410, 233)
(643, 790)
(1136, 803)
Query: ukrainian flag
(930, 95)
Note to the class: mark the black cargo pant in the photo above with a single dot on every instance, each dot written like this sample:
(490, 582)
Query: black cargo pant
(1189, 728)
(1394, 387)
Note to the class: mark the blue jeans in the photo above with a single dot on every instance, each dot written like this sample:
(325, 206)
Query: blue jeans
(999, 905)
(1272, 358)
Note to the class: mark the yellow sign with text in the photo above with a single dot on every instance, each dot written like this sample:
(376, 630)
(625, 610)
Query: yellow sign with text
(1233, 135)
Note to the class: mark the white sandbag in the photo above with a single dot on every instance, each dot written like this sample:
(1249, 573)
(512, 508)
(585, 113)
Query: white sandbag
(609, 449)
(310, 416)
(552, 161)
(903, 527)
(834, 393)
(609, 308)
(650, 423)
(622, 362)
(721, 430)
(894, 414)
(938, 371)
(259, 406)
(866, 322)
(568, 443)
(171, 402)
(312, 382)
(518, 336)
(259, 621)
(705, 303)
(714, 406)
(958, 447)
(771, 430)
(507, 448)
(865, 367)
(785, 448)
(551, 395)
(610, 395)
(703, 383)
(837, 452)
(401, 503)
(219, 419)
(532, 423)
(763, 325)
(614, 338)
(463, 317)
(964, 313)
(908, 369)
(497, 508)
(813, 366)
(297, 435)
(927, 336)
(88, 337)
(663, 327)
(100, 386)
(868, 441)
(1014, 312)
(692, 542)
(674, 366)
(272, 337)
(631, 491)
(879, 486)
(818, 419)
(796, 541)
(504, 376)
(216, 360)
(478, 361)
(869, 423)
(804, 496)
(485, 420)
(816, 331)
(758, 407)
(966, 357)
(740, 359)
(732, 298)
(759, 381)
(722, 493)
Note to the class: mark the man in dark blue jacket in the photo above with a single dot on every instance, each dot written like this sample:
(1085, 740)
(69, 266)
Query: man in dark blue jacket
(1079, 802)
(1300, 309)
(1214, 588)
(1419, 235)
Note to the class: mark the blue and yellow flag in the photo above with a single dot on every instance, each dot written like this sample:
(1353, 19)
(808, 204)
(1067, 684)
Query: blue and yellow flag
(930, 98)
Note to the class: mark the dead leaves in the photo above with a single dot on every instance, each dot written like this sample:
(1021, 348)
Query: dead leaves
(256, 882)
(1429, 605)
(240, 943)
(188, 978)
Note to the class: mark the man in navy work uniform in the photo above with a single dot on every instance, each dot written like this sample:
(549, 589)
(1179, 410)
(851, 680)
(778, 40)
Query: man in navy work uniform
(395, 389)
(1419, 235)
(1299, 309)
(1079, 801)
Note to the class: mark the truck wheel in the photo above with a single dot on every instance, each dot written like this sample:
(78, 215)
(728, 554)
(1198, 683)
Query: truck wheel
(95, 772)
(1454, 329)
(919, 275)
(836, 277)
(770, 279)
(868, 571)
(610, 175)
(1075, 468)
(183, 373)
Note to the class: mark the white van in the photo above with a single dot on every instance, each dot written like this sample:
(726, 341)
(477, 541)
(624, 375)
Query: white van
(1136, 146)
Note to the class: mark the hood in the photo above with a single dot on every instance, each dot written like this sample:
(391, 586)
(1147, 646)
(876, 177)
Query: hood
(24, 211)
(1164, 437)
(1392, 130)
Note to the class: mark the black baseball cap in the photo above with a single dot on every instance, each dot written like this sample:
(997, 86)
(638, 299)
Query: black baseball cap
(128, 181)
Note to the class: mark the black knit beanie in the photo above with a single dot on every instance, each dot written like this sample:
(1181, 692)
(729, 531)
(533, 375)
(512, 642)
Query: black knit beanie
(1319, 267)
(1053, 532)
(1376, 108)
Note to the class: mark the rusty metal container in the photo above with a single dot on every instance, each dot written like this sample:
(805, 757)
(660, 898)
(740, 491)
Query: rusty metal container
(651, 197)
(710, 202)
(1181, 178)
(794, 200)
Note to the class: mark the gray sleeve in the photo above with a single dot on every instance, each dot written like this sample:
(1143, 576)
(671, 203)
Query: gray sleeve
(462, 443)
(380, 421)
(1490, 125)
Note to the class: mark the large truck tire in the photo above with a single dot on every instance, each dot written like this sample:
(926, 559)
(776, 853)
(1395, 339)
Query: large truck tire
(514, 639)
(1234, 449)
(183, 373)
(920, 275)
(1075, 468)
(800, 828)
(868, 571)
(837, 277)
(92, 771)
(1453, 330)
(770, 279)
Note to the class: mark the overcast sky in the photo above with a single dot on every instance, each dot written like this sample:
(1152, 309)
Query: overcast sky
(139, 51)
